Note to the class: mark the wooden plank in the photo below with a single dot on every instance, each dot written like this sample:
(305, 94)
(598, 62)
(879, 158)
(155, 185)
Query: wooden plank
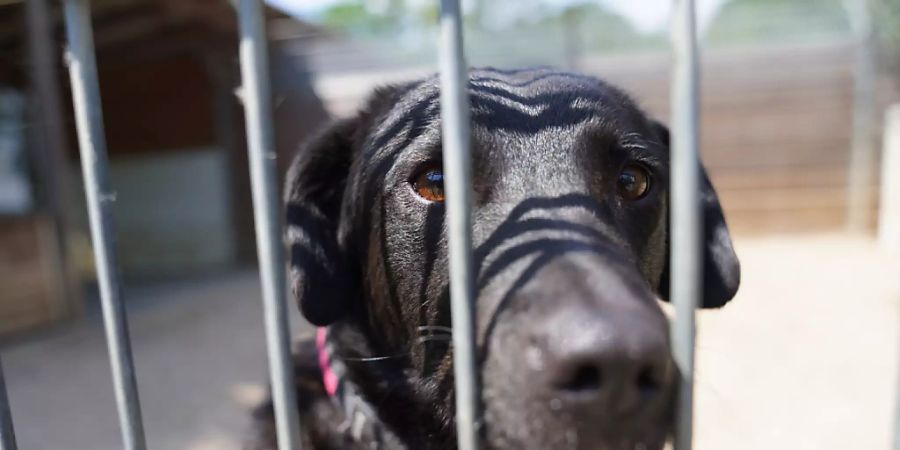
(780, 177)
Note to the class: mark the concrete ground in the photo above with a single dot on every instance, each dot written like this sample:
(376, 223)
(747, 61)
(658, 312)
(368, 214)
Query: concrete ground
(806, 355)
(804, 358)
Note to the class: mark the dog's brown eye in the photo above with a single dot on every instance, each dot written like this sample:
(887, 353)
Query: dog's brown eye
(430, 185)
(634, 182)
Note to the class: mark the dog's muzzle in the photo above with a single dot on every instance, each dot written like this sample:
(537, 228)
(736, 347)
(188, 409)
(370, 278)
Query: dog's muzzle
(579, 357)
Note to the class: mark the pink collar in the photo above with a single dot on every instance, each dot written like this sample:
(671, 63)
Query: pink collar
(329, 378)
(361, 422)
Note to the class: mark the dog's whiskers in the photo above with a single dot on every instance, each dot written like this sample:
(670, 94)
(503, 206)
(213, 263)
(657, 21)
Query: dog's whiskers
(375, 358)
(434, 333)
(437, 338)
(433, 328)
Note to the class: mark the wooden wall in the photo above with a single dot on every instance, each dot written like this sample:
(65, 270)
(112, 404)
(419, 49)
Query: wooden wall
(775, 130)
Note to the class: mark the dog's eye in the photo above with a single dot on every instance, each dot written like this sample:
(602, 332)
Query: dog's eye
(430, 185)
(633, 182)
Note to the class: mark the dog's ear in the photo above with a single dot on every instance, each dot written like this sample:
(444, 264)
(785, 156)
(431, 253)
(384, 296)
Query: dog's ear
(721, 270)
(324, 274)
(320, 277)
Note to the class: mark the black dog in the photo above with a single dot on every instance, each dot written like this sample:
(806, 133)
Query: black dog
(570, 222)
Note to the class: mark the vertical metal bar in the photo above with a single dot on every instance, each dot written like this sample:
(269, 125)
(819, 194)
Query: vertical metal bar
(7, 436)
(91, 141)
(889, 220)
(889, 197)
(861, 169)
(458, 185)
(263, 176)
(897, 403)
(686, 258)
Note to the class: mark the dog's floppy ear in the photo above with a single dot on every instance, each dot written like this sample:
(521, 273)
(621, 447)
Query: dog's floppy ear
(324, 274)
(320, 276)
(721, 270)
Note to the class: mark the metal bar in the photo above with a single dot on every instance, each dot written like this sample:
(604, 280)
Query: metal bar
(686, 258)
(263, 176)
(889, 219)
(897, 406)
(889, 196)
(89, 125)
(861, 168)
(7, 435)
(458, 186)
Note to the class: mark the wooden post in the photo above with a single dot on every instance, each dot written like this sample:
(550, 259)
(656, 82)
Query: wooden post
(48, 146)
(229, 136)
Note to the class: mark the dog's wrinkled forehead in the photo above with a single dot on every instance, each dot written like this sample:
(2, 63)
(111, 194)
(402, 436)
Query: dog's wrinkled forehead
(536, 100)
(521, 102)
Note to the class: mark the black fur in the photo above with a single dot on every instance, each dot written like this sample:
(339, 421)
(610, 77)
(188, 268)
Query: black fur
(369, 260)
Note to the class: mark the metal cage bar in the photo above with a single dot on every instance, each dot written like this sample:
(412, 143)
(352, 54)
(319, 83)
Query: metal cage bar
(92, 144)
(686, 224)
(863, 152)
(458, 185)
(7, 435)
(686, 258)
(263, 175)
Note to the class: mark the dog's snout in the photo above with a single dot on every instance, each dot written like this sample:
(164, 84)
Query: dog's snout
(616, 368)
(584, 346)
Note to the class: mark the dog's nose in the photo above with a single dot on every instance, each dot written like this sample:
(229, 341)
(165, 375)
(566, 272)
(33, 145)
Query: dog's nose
(617, 366)
(581, 346)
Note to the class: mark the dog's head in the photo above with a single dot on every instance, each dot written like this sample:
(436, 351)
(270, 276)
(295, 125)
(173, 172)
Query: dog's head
(571, 249)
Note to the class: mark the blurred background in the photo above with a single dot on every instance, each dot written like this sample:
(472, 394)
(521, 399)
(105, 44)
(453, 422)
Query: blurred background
(798, 134)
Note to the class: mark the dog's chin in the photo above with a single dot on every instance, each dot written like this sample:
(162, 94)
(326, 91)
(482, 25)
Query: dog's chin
(573, 439)
(615, 445)
(543, 428)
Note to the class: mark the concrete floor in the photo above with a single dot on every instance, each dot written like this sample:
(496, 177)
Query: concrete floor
(804, 358)
(200, 359)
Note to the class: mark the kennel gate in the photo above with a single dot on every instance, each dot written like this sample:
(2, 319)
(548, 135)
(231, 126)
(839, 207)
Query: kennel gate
(256, 96)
